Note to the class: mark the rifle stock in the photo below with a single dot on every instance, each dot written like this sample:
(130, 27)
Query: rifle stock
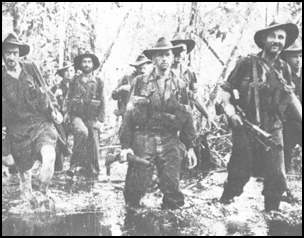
(130, 159)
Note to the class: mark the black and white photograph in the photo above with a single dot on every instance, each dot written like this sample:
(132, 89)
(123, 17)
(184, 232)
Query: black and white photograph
(151, 118)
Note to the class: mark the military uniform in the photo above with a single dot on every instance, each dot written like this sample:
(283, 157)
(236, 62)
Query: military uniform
(61, 100)
(63, 87)
(292, 126)
(248, 157)
(86, 106)
(186, 84)
(297, 80)
(26, 114)
(122, 96)
(151, 130)
(187, 88)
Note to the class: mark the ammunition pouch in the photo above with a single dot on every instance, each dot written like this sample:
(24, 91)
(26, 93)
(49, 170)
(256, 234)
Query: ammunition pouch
(92, 108)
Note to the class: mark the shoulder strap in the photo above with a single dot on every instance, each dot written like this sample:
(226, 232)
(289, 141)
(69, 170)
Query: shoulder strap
(254, 87)
(100, 86)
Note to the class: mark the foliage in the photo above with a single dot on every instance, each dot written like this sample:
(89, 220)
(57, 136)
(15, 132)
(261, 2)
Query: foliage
(117, 32)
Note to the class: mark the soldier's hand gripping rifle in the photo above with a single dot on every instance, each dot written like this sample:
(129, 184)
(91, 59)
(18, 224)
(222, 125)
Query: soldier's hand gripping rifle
(262, 137)
(130, 158)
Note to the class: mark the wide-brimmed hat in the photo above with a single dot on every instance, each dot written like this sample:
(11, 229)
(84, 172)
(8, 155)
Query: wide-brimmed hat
(12, 39)
(161, 45)
(295, 48)
(78, 59)
(141, 59)
(291, 29)
(65, 66)
(180, 38)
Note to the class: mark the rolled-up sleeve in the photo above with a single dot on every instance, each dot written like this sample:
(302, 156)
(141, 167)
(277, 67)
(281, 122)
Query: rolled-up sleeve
(236, 75)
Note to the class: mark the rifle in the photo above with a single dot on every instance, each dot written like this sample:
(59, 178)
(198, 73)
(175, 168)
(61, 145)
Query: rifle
(59, 127)
(130, 158)
(262, 137)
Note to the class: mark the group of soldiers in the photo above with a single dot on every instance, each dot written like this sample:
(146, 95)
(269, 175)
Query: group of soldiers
(155, 103)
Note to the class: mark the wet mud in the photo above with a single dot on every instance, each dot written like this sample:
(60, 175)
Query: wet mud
(96, 207)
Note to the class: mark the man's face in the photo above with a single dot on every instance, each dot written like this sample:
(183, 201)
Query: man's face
(11, 56)
(163, 59)
(181, 57)
(275, 41)
(143, 69)
(295, 61)
(87, 65)
(69, 73)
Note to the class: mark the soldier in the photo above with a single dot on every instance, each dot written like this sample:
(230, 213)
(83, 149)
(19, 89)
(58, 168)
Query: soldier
(123, 91)
(262, 83)
(60, 91)
(86, 110)
(150, 129)
(26, 117)
(293, 56)
(188, 76)
(180, 67)
(188, 81)
(293, 128)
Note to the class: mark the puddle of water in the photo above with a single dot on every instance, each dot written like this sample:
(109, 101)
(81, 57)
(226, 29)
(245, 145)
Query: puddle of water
(151, 223)
(89, 224)
(50, 225)
(99, 216)
(279, 228)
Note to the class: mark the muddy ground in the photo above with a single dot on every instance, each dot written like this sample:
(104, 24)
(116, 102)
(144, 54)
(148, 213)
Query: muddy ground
(97, 208)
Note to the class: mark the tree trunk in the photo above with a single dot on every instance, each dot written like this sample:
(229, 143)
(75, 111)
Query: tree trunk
(108, 53)
(213, 94)
(192, 22)
(64, 13)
